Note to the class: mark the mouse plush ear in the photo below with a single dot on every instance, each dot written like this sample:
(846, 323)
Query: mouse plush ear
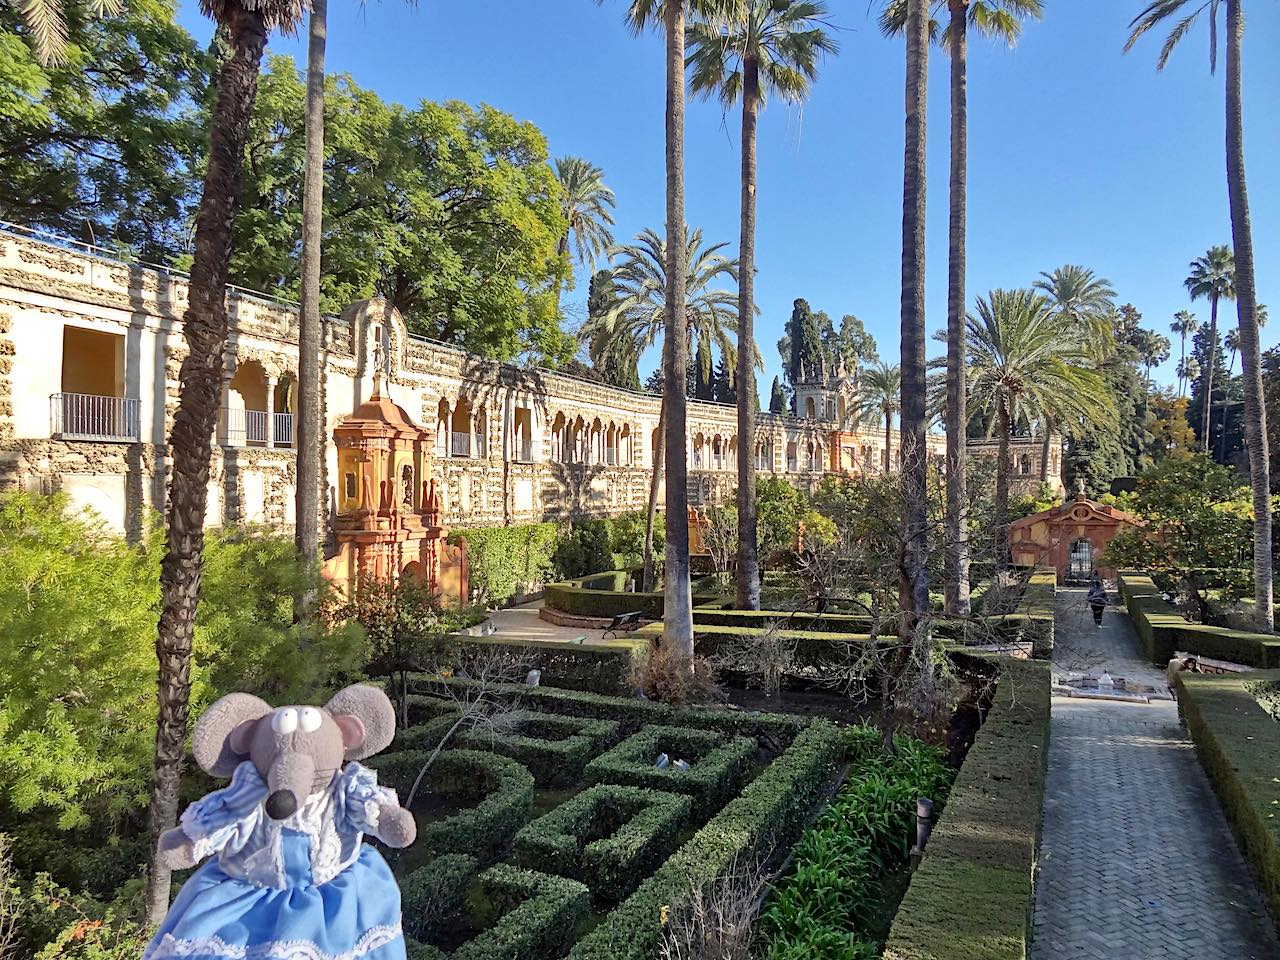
(220, 741)
(366, 717)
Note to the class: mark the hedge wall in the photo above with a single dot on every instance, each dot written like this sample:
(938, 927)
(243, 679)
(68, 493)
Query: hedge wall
(552, 748)
(602, 595)
(769, 811)
(1238, 743)
(802, 620)
(972, 896)
(501, 557)
(1163, 631)
(599, 667)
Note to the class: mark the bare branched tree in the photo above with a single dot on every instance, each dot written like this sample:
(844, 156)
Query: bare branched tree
(716, 920)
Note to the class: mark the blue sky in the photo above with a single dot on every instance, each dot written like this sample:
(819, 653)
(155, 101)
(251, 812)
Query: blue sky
(1077, 153)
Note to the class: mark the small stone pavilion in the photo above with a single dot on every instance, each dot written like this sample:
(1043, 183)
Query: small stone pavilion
(387, 518)
(1070, 537)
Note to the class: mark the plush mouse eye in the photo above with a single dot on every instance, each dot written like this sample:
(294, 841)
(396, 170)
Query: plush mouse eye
(285, 721)
(310, 719)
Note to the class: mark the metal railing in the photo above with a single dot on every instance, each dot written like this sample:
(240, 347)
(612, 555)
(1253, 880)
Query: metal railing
(283, 429)
(246, 428)
(524, 451)
(460, 444)
(84, 416)
(611, 458)
(791, 465)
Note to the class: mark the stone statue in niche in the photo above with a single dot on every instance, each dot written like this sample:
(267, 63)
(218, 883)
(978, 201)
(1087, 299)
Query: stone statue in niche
(406, 480)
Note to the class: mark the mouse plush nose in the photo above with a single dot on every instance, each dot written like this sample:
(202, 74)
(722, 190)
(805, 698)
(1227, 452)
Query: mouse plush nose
(281, 805)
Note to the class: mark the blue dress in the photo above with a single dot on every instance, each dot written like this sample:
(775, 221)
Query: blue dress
(305, 888)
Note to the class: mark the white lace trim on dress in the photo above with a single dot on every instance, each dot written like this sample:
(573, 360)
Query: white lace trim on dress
(169, 947)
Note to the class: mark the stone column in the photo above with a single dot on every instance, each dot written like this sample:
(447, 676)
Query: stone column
(224, 414)
(271, 411)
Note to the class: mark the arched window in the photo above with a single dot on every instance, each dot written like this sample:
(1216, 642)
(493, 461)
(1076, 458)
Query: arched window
(559, 446)
(481, 429)
(442, 429)
(809, 409)
(1024, 465)
(460, 427)
(626, 453)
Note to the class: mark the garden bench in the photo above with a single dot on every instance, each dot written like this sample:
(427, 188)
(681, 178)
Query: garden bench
(622, 623)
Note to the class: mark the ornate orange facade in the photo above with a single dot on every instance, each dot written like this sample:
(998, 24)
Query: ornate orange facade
(387, 520)
(1070, 537)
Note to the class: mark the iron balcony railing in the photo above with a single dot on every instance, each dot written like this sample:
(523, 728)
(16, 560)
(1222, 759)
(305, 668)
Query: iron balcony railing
(248, 428)
(461, 444)
(83, 416)
(283, 424)
(525, 453)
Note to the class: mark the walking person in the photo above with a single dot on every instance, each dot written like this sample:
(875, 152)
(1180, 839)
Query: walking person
(1097, 600)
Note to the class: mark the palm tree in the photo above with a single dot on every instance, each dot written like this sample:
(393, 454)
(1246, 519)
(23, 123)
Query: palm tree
(46, 22)
(1232, 341)
(879, 398)
(637, 318)
(587, 206)
(1255, 416)
(1212, 276)
(1001, 20)
(1027, 364)
(245, 24)
(310, 419)
(763, 48)
(1184, 325)
(1188, 369)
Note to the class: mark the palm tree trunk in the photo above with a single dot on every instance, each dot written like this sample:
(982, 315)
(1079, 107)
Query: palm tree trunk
(914, 586)
(956, 550)
(1255, 411)
(1045, 449)
(1002, 490)
(888, 441)
(1222, 419)
(647, 579)
(1182, 365)
(748, 559)
(310, 441)
(677, 602)
(191, 442)
(1206, 403)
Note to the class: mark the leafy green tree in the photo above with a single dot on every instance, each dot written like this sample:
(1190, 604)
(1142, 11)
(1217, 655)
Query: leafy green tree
(452, 213)
(1025, 360)
(1184, 324)
(1234, 387)
(749, 51)
(879, 398)
(1212, 277)
(101, 146)
(723, 386)
(777, 397)
(1197, 529)
(801, 347)
(1210, 366)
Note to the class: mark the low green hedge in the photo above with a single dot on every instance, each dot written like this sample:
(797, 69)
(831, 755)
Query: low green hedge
(812, 649)
(502, 787)
(552, 748)
(801, 620)
(1238, 743)
(972, 895)
(433, 893)
(1163, 631)
(602, 595)
(599, 667)
(716, 769)
(539, 914)
(597, 706)
(609, 835)
(769, 812)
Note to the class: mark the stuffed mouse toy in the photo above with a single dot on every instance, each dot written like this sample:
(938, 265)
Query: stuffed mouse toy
(292, 879)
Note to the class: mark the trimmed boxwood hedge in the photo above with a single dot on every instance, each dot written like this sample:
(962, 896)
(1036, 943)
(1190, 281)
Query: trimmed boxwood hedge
(552, 748)
(716, 768)
(599, 667)
(769, 811)
(581, 704)
(972, 895)
(601, 595)
(539, 915)
(431, 894)
(503, 787)
(648, 829)
(802, 620)
(1238, 743)
(1163, 631)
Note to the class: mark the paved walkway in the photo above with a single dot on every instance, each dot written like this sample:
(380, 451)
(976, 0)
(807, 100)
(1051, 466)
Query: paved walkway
(1136, 859)
(523, 622)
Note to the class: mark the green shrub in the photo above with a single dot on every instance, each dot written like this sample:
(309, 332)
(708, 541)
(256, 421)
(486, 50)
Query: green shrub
(554, 749)
(433, 893)
(609, 835)
(769, 812)
(603, 595)
(500, 558)
(972, 895)
(502, 788)
(716, 769)
(599, 667)
(1163, 631)
(1238, 744)
(830, 904)
(539, 915)
(585, 550)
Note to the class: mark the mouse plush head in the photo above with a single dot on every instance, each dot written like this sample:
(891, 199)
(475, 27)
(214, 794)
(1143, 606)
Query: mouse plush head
(295, 749)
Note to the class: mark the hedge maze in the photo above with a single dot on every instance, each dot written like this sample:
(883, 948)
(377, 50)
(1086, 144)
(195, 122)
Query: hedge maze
(554, 833)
